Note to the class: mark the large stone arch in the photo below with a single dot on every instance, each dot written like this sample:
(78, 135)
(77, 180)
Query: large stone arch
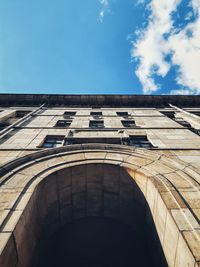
(167, 185)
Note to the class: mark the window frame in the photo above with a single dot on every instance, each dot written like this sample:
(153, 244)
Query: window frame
(59, 138)
(140, 141)
(71, 114)
(130, 123)
(96, 113)
(98, 122)
(66, 121)
(122, 113)
(89, 140)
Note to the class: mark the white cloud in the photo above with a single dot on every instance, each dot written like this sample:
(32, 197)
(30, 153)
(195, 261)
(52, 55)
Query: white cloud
(152, 47)
(104, 9)
(140, 2)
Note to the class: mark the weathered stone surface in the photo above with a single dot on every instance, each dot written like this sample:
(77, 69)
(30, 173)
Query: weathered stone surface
(170, 241)
(184, 219)
(160, 218)
(94, 173)
(8, 254)
(111, 204)
(111, 179)
(101, 180)
(183, 256)
(94, 199)
(193, 240)
(64, 178)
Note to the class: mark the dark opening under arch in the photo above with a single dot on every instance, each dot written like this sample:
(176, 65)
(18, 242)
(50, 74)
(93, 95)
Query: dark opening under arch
(89, 215)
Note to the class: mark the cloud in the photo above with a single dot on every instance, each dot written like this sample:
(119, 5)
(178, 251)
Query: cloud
(104, 9)
(140, 2)
(161, 39)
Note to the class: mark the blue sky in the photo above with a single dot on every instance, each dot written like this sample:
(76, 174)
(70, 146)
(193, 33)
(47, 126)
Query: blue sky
(100, 46)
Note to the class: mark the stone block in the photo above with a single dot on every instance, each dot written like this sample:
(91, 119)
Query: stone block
(184, 219)
(172, 200)
(170, 240)
(141, 180)
(50, 189)
(25, 242)
(64, 178)
(193, 240)
(3, 215)
(179, 181)
(8, 254)
(160, 218)
(79, 200)
(65, 196)
(78, 179)
(94, 173)
(151, 196)
(65, 214)
(111, 178)
(192, 198)
(111, 205)
(94, 199)
(184, 257)
(14, 217)
(24, 199)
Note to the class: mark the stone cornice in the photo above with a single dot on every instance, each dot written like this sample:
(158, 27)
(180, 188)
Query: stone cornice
(99, 100)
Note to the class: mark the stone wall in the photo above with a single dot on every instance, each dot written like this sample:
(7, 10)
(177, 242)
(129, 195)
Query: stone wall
(166, 184)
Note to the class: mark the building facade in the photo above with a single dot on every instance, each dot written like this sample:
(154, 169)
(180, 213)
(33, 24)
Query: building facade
(134, 159)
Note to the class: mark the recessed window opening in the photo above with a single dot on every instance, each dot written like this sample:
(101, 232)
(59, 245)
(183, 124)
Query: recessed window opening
(63, 123)
(128, 123)
(69, 113)
(4, 124)
(122, 113)
(96, 124)
(183, 122)
(169, 114)
(106, 140)
(96, 113)
(53, 141)
(22, 113)
(139, 141)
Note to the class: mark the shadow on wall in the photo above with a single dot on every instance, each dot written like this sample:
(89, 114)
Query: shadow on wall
(89, 215)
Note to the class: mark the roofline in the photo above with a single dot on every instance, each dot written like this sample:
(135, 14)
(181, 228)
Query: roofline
(97, 100)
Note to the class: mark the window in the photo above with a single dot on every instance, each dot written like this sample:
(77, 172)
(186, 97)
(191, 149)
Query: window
(4, 124)
(122, 113)
(138, 141)
(53, 141)
(182, 122)
(63, 123)
(99, 140)
(96, 113)
(22, 113)
(96, 124)
(171, 115)
(69, 113)
(129, 124)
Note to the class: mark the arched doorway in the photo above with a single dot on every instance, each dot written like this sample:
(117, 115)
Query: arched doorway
(94, 215)
(31, 196)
